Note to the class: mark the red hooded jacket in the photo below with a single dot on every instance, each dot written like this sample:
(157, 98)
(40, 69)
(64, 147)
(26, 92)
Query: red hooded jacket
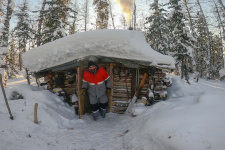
(94, 79)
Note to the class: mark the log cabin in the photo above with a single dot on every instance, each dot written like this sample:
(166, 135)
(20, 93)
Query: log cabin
(124, 54)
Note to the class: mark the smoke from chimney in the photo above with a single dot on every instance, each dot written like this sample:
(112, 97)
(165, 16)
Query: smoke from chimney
(127, 8)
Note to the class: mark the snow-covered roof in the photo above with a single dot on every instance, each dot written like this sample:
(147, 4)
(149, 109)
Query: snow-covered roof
(122, 44)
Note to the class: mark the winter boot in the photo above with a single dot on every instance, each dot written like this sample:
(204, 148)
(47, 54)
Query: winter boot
(95, 115)
(102, 111)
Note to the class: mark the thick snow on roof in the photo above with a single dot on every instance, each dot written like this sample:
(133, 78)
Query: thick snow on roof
(124, 44)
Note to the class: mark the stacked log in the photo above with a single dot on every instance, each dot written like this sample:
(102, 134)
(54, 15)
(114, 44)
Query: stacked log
(124, 88)
(160, 92)
(68, 87)
(121, 90)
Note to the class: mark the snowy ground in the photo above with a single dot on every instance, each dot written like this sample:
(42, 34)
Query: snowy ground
(191, 119)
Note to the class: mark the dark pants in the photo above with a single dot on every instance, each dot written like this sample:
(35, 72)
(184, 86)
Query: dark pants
(96, 106)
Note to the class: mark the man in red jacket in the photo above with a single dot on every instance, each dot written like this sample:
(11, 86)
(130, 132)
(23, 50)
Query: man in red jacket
(96, 80)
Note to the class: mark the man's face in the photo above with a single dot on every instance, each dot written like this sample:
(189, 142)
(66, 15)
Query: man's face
(92, 67)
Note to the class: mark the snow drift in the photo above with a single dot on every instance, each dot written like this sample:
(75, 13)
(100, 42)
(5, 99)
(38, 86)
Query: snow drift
(192, 119)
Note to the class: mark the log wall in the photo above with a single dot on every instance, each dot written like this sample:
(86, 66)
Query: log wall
(124, 84)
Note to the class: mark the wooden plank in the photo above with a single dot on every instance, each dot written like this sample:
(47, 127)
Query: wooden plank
(122, 84)
(80, 98)
(35, 113)
(6, 101)
(120, 99)
(118, 104)
(120, 87)
(119, 110)
(122, 79)
(133, 82)
(124, 95)
(123, 91)
(112, 90)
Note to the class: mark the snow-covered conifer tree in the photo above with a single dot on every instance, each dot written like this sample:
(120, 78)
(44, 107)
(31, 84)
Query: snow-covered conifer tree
(4, 40)
(74, 26)
(84, 13)
(157, 30)
(216, 56)
(201, 51)
(102, 9)
(208, 60)
(12, 57)
(181, 46)
(23, 31)
(40, 23)
(190, 20)
(56, 20)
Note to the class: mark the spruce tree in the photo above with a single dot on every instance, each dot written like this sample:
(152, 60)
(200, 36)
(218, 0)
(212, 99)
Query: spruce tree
(4, 39)
(12, 57)
(23, 31)
(56, 20)
(201, 51)
(74, 26)
(181, 46)
(102, 9)
(217, 56)
(157, 30)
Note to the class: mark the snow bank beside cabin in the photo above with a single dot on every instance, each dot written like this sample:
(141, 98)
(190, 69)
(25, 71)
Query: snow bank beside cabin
(192, 119)
(52, 111)
(124, 44)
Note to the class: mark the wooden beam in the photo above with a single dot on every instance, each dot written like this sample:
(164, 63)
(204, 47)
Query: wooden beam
(111, 76)
(133, 82)
(80, 97)
(35, 113)
(6, 101)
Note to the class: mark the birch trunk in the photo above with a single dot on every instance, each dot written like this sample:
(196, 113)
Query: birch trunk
(208, 42)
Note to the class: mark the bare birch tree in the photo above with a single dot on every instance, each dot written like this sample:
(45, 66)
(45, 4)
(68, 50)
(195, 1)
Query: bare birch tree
(102, 10)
